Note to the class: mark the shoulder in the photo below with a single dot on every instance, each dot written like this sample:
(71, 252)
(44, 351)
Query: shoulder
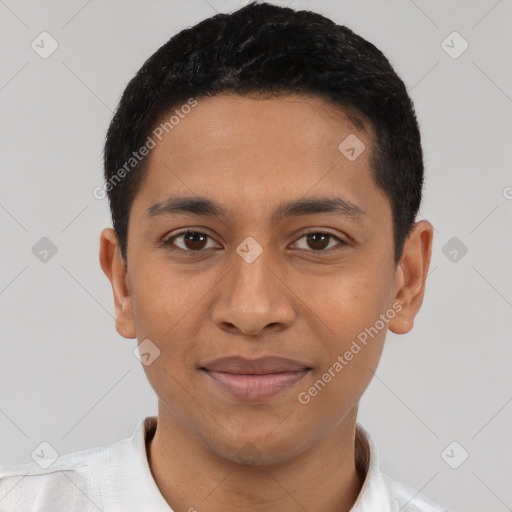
(407, 499)
(69, 483)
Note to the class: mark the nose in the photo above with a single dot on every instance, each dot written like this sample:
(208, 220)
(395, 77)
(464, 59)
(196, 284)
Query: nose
(254, 299)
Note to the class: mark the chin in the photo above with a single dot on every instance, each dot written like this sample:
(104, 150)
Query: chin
(259, 446)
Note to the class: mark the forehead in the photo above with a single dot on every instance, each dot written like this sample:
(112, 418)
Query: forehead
(308, 123)
(249, 152)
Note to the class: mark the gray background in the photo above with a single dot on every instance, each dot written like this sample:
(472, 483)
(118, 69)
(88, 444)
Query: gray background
(67, 377)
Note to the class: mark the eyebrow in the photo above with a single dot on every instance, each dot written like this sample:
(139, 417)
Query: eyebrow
(205, 207)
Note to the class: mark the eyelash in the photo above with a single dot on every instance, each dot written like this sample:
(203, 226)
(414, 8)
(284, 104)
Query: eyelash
(169, 241)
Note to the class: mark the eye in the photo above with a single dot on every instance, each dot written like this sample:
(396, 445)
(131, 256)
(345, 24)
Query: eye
(320, 241)
(195, 241)
(189, 241)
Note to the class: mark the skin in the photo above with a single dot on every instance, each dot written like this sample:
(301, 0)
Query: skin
(250, 155)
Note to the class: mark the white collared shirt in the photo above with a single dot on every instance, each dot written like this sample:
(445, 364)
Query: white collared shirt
(118, 478)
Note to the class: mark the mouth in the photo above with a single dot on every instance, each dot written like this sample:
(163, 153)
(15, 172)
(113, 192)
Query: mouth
(255, 379)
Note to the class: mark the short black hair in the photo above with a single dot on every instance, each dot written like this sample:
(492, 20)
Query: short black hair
(266, 49)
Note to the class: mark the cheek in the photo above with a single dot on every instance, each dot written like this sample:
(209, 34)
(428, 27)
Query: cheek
(166, 300)
(336, 385)
(348, 300)
(166, 307)
(348, 311)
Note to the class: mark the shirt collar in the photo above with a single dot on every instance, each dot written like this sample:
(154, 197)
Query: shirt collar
(373, 495)
(137, 489)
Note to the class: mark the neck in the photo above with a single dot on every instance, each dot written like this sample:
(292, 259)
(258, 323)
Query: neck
(327, 476)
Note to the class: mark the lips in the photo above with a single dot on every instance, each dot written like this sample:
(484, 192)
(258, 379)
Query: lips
(255, 379)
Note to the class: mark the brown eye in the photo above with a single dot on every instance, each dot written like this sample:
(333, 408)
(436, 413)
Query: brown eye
(194, 241)
(318, 241)
(189, 241)
(321, 241)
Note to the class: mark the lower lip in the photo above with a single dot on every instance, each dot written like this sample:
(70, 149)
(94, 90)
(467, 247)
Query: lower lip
(256, 387)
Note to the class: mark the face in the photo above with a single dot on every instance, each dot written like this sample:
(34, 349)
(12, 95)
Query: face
(287, 264)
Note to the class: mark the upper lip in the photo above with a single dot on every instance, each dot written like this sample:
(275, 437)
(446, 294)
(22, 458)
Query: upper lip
(259, 366)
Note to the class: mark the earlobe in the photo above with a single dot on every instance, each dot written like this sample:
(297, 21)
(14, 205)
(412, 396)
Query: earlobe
(114, 268)
(411, 275)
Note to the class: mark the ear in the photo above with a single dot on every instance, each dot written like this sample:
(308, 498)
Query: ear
(411, 274)
(115, 269)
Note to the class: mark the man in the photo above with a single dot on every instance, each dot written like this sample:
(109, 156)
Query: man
(264, 172)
